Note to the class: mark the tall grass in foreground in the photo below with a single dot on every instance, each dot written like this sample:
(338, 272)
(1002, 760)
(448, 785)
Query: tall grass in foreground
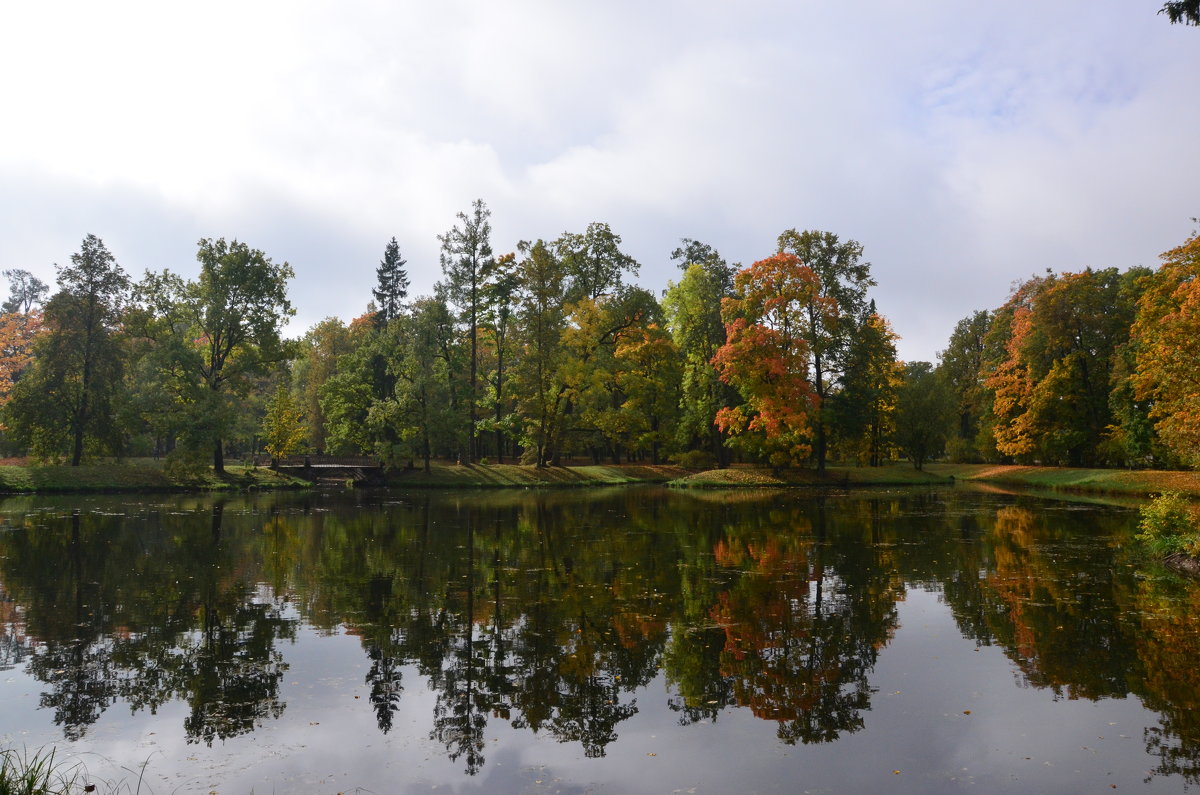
(25, 773)
(40, 773)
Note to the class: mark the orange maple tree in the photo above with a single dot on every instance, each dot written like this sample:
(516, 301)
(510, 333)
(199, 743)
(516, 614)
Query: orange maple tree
(766, 359)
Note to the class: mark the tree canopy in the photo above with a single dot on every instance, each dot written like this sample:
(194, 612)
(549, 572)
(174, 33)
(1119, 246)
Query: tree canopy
(548, 354)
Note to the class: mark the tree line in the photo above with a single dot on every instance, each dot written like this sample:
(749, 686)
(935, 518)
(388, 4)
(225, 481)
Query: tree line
(548, 353)
(1092, 368)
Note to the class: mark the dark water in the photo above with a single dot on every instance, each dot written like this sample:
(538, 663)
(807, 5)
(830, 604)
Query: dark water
(632, 640)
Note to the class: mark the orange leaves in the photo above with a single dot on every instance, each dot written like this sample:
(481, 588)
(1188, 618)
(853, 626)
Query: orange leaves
(1062, 336)
(772, 292)
(766, 360)
(1013, 386)
(1168, 355)
(17, 333)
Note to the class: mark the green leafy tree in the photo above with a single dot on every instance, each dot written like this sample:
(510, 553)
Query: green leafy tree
(26, 292)
(499, 315)
(593, 261)
(866, 398)
(923, 407)
(830, 315)
(346, 396)
(68, 400)
(693, 252)
(598, 306)
(591, 374)
(542, 320)
(467, 262)
(219, 331)
(693, 309)
(320, 350)
(961, 365)
(420, 409)
(648, 376)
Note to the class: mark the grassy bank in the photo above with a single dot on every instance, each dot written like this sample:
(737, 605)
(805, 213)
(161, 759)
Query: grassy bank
(515, 476)
(1100, 481)
(146, 475)
(133, 476)
(757, 477)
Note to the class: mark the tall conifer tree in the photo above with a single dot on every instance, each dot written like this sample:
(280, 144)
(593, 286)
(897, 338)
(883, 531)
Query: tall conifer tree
(392, 287)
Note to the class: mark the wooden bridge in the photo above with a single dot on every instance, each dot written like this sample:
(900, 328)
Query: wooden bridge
(313, 467)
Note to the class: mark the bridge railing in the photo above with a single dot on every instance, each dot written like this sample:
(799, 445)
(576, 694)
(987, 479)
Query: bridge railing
(366, 462)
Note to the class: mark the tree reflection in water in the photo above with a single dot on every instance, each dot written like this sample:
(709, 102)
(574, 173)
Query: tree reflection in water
(123, 620)
(552, 612)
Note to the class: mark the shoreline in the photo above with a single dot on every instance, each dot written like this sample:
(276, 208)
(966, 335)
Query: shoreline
(150, 477)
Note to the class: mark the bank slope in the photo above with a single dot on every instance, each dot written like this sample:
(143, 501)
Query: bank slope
(1101, 481)
(760, 477)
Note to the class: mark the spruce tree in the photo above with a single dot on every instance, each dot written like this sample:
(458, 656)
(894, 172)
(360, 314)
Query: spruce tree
(393, 285)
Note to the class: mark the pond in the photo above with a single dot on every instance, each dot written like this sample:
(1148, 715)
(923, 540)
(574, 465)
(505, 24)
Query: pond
(626, 640)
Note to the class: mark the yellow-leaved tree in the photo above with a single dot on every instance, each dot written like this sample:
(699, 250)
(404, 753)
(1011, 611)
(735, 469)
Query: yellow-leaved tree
(283, 427)
(1166, 333)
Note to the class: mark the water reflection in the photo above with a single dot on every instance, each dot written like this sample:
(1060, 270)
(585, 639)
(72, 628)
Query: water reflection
(552, 612)
(146, 612)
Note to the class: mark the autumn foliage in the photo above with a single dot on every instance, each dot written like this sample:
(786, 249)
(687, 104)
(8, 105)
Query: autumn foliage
(17, 333)
(766, 360)
(1167, 334)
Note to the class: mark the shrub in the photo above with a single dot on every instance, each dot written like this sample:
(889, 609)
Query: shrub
(695, 459)
(962, 451)
(1167, 527)
(184, 463)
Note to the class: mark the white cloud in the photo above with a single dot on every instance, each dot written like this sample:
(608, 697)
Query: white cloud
(965, 147)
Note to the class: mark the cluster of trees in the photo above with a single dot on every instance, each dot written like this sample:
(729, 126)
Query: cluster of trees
(105, 366)
(1095, 368)
(541, 354)
(549, 353)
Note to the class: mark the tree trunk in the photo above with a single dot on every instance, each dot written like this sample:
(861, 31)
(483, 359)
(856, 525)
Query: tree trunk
(77, 448)
(219, 458)
(819, 447)
(472, 439)
(499, 396)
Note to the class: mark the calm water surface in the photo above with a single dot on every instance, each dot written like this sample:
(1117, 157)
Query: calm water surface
(633, 640)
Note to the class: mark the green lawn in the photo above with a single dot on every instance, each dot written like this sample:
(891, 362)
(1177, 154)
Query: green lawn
(444, 475)
(1109, 481)
(759, 477)
(136, 475)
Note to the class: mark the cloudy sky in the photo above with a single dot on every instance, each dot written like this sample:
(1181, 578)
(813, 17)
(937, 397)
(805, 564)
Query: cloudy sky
(965, 145)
